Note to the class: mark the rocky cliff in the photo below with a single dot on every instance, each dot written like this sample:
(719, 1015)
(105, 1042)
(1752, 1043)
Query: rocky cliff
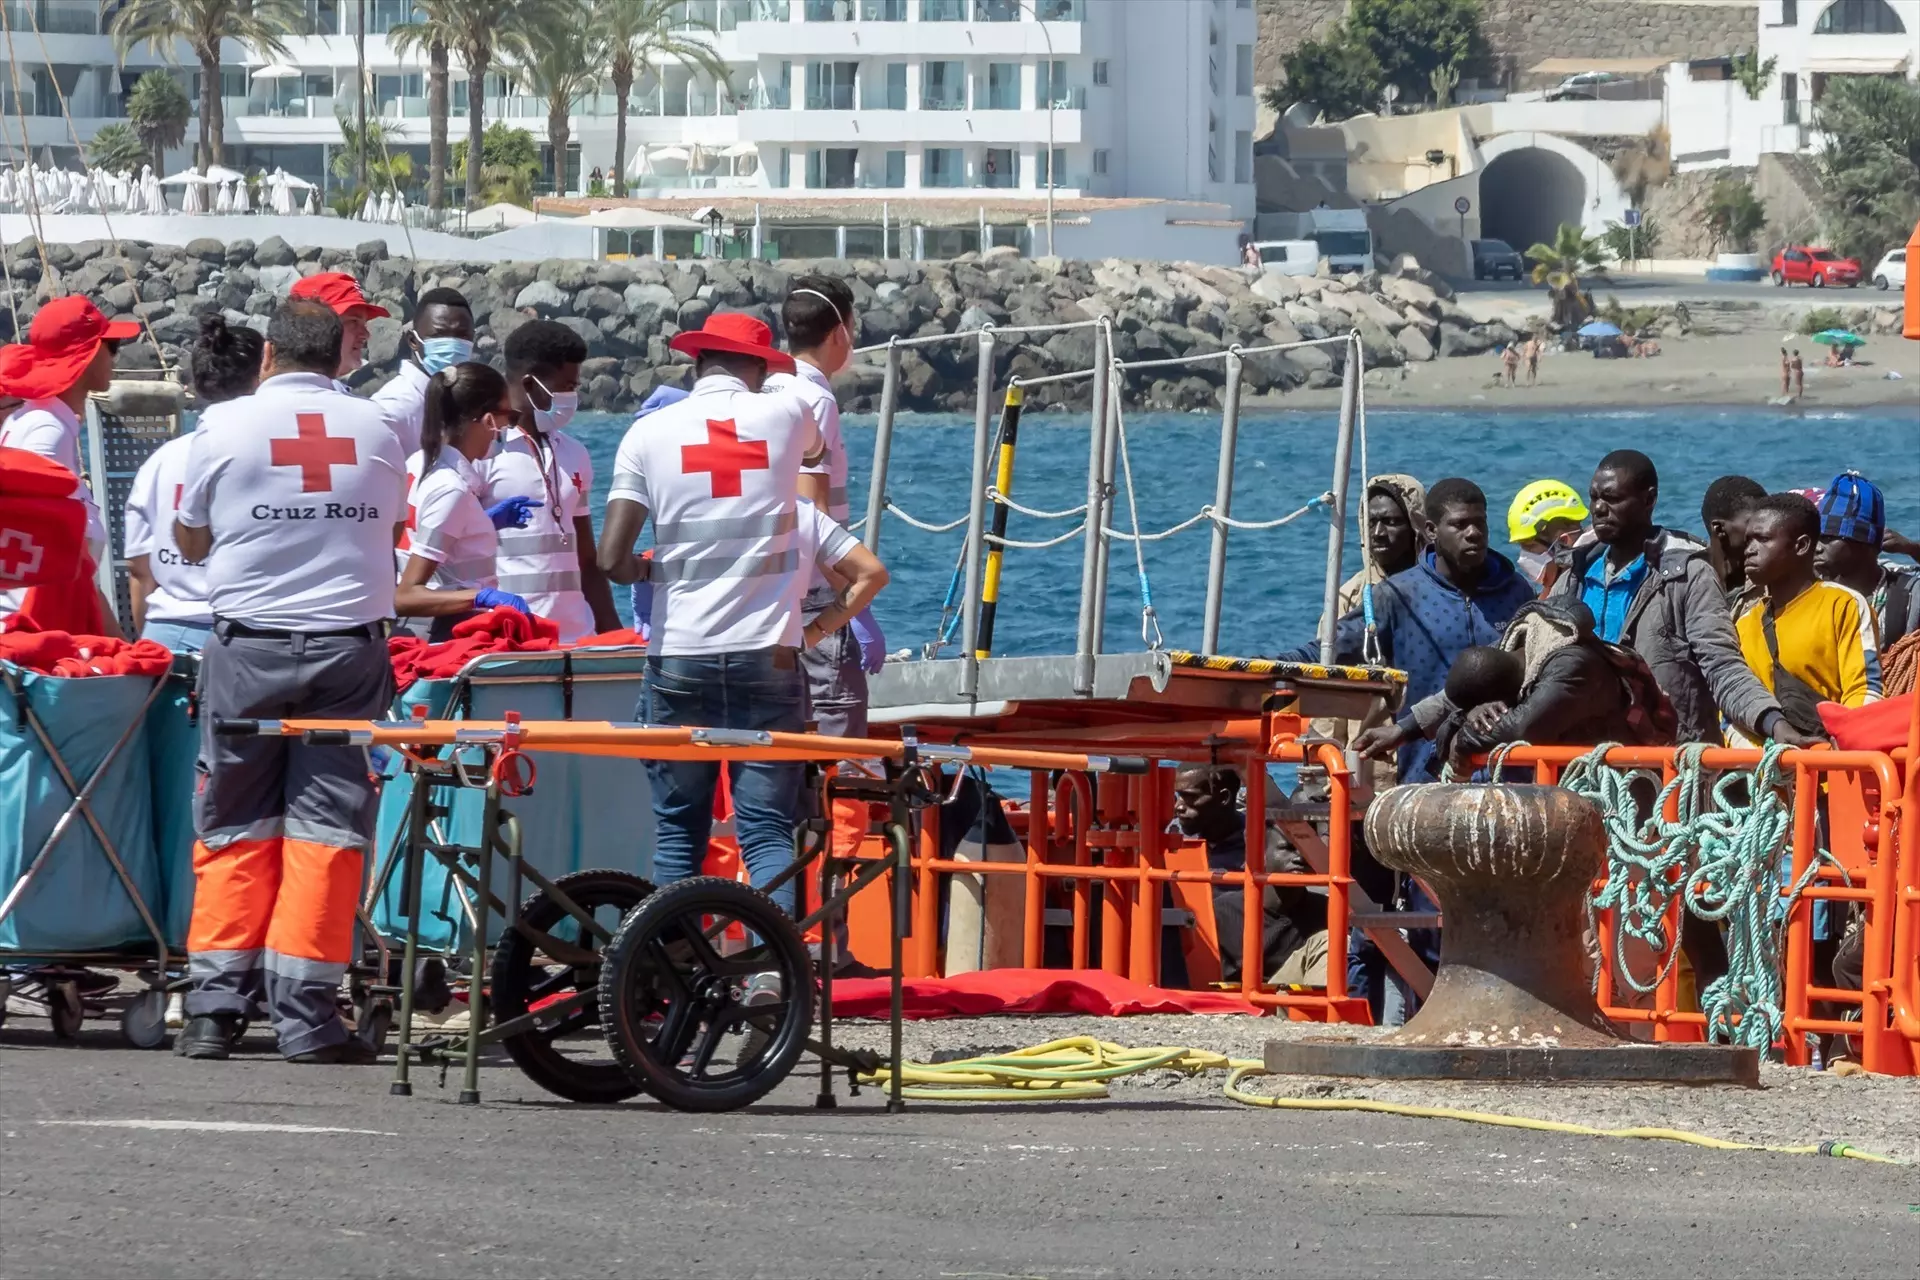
(626, 311)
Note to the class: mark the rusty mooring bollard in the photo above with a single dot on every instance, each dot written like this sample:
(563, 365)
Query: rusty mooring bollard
(1511, 867)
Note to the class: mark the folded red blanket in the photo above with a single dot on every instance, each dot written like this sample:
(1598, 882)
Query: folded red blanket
(498, 630)
(59, 653)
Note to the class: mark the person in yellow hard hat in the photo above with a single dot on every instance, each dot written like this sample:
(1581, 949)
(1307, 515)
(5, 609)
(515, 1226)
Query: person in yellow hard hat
(1540, 516)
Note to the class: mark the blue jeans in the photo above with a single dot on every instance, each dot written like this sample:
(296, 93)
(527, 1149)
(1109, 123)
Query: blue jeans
(180, 637)
(725, 691)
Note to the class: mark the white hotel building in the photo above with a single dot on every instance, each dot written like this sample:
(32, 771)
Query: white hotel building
(899, 100)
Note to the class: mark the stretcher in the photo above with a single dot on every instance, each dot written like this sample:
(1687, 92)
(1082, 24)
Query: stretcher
(701, 993)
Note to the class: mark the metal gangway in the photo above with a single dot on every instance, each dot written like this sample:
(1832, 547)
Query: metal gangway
(975, 683)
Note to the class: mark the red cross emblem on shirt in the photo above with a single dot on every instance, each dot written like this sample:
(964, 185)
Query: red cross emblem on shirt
(315, 452)
(178, 491)
(725, 455)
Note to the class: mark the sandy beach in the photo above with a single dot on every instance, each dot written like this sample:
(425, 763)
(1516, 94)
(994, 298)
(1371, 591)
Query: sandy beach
(1720, 369)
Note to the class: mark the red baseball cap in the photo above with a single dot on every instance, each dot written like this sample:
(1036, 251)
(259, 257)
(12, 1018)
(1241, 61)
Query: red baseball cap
(60, 344)
(736, 332)
(340, 291)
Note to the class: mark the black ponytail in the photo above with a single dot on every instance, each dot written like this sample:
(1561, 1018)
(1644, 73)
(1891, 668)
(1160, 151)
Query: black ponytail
(225, 360)
(457, 397)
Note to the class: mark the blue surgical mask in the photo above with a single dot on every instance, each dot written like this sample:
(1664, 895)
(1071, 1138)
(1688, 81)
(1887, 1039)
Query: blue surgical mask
(443, 353)
(563, 405)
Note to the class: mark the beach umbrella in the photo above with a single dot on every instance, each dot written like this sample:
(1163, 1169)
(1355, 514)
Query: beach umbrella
(185, 178)
(309, 206)
(1839, 338)
(242, 199)
(369, 209)
(220, 173)
(195, 200)
(1599, 329)
(278, 71)
(223, 203)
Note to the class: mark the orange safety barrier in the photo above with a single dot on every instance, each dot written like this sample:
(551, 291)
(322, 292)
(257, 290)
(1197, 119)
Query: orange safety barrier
(1099, 825)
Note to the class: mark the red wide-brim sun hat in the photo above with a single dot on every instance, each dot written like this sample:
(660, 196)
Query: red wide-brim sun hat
(61, 343)
(737, 333)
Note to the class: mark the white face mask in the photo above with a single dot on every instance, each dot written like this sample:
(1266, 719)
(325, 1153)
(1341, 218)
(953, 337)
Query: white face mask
(562, 406)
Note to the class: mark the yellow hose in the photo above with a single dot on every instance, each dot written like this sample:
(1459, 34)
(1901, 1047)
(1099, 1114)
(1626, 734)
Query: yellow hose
(1078, 1067)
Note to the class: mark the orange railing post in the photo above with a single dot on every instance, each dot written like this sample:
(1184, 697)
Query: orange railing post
(1033, 928)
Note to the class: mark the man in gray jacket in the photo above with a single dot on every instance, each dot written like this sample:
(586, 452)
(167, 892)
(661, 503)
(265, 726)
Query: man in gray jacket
(1655, 591)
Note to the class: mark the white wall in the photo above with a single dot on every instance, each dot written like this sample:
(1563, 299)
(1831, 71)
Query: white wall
(1146, 232)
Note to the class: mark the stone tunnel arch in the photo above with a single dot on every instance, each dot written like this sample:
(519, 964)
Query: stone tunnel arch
(1527, 192)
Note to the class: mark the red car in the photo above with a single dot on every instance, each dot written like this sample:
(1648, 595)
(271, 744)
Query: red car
(1802, 264)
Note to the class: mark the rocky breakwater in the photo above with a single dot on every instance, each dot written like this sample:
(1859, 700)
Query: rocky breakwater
(626, 312)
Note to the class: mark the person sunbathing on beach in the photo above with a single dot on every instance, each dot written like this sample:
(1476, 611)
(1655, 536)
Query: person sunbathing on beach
(1510, 364)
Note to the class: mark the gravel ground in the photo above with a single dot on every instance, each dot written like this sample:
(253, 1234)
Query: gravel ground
(1792, 1107)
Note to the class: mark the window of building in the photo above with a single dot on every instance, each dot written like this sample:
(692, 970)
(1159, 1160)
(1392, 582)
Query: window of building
(943, 167)
(1050, 88)
(894, 172)
(830, 85)
(1042, 169)
(943, 86)
(884, 87)
(325, 17)
(1100, 162)
(1859, 18)
(996, 10)
(1242, 156)
(1243, 70)
(783, 176)
(1000, 167)
(1100, 71)
(1789, 13)
(1003, 87)
(1789, 98)
(943, 10)
(831, 167)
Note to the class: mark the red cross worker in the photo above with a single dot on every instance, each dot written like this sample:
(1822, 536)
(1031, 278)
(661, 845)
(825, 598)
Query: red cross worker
(734, 550)
(68, 355)
(293, 498)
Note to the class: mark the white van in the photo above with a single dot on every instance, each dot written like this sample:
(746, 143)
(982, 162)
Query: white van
(1289, 257)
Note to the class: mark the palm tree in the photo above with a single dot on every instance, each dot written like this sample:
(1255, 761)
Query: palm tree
(117, 148)
(637, 36)
(479, 33)
(158, 110)
(1560, 265)
(365, 158)
(559, 65)
(202, 25)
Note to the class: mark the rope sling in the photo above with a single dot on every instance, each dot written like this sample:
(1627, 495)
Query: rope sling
(1722, 856)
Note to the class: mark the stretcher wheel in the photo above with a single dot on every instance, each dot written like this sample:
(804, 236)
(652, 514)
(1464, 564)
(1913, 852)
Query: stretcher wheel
(144, 1021)
(569, 1057)
(675, 991)
(64, 1008)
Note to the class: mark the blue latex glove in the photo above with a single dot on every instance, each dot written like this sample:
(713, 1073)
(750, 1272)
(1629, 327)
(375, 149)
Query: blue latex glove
(513, 513)
(642, 598)
(873, 644)
(493, 598)
(660, 398)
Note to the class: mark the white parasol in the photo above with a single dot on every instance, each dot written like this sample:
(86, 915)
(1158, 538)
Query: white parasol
(242, 198)
(195, 199)
(369, 209)
(308, 210)
(278, 71)
(223, 203)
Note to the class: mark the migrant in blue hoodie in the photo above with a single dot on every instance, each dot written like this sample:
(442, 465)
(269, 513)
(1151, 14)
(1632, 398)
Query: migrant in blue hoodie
(1422, 623)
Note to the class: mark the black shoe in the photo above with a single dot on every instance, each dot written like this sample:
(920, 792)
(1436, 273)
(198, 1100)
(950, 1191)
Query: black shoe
(209, 1036)
(351, 1052)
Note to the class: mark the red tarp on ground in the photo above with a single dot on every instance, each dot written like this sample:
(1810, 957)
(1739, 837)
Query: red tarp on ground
(1878, 726)
(995, 991)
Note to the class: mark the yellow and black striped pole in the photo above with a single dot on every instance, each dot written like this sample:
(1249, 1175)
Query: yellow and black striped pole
(1003, 485)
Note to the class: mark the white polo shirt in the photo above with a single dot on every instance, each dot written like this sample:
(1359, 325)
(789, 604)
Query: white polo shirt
(302, 486)
(814, 387)
(404, 402)
(541, 563)
(720, 473)
(450, 527)
(50, 429)
(179, 584)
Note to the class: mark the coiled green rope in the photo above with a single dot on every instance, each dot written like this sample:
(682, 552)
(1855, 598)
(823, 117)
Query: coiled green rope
(1721, 855)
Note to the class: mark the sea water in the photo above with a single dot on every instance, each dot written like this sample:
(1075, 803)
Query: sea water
(1284, 460)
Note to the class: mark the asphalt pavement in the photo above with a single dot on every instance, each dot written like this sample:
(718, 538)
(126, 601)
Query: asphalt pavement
(115, 1162)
